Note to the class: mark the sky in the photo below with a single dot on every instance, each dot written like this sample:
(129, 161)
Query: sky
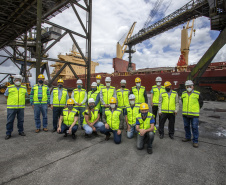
(113, 18)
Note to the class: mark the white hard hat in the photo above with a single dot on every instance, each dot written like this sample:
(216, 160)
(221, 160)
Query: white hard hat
(123, 81)
(107, 79)
(91, 100)
(79, 81)
(131, 96)
(189, 82)
(94, 84)
(17, 77)
(158, 79)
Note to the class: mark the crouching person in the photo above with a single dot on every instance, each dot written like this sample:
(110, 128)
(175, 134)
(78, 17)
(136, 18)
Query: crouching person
(69, 117)
(113, 120)
(91, 121)
(146, 128)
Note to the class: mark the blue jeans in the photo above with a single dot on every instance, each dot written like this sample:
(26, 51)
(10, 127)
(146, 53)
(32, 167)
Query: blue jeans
(64, 128)
(56, 115)
(117, 138)
(131, 132)
(81, 110)
(194, 126)
(141, 140)
(40, 108)
(89, 130)
(11, 114)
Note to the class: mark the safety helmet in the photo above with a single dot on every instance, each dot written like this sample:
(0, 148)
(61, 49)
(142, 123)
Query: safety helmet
(60, 81)
(123, 81)
(112, 100)
(17, 77)
(131, 96)
(108, 79)
(167, 83)
(70, 101)
(137, 80)
(144, 106)
(91, 100)
(98, 77)
(79, 81)
(158, 79)
(94, 84)
(41, 76)
(189, 82)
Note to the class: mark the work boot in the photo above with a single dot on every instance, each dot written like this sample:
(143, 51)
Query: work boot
(161, 136)
(45, 129)
(171, 136)
(149, 150)
(95, 133)
(196, 145)
(7, 137)
(73, 136)
(186, 140)
(54, 130)
(107, 137)
(22, 134)
(37, 130)
(87, 135)
(65, 134)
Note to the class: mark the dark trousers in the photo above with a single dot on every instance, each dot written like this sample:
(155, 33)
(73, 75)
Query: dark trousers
(147, 138)
(155, 111)
(117, 138)
(11, 114)
(64, 128)
(56, 115)
(171, 118)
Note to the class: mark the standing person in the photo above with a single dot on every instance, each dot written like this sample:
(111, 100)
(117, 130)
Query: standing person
(15, 95)
(40, 100)
(139, 92)
(155, 92)
(192, 102)
(69, 117)
(168, 108)
(113, 122)
(91, 121)
(58, 100)
(131, 114)
(95, 94)
(79, 96)
(105, 94)
(145, 127)
(99, 85)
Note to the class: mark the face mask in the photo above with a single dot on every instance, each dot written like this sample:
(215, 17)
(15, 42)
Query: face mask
(93, 89)
(17, 83)
(138, 84)
(70, 107)
(91, 106)
(40, 81)
(168, 89)
(144, 114)
(79, 86)
(132, 102)
(189, 89)
(123, 86)
(158, 83)
(112, 106)
(108, 84)
(60, 86)
(98, 81)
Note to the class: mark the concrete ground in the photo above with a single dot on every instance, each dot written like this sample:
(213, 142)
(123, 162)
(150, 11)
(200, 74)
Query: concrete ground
(48, 158)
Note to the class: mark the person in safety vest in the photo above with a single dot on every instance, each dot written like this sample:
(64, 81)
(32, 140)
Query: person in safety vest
(105, 94)
(40, 100)
(79, 96)
(131, 113)
(69, 117)
(155, 92)
(113, 122)
(192, 102)
(91, 121)
(95, 94)
(58, 101)
(99, 85)
(145, 127)
(15, 95)
(139, 92)
(168, 108)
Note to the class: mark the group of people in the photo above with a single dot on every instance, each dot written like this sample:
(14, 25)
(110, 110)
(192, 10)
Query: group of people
(106, 109)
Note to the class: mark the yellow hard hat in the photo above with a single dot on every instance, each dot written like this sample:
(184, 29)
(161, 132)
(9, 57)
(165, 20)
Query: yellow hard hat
(112, 100)
(70, 101)
(167, 83)
(98, 77)
(41, 76)
(137, 80)
(144, 106)
(60, 81)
